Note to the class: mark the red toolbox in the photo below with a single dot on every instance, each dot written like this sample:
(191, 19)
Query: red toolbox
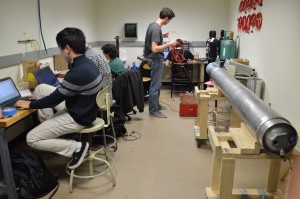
(188, 105)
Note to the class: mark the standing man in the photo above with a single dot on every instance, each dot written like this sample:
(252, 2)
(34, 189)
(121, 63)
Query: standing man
(78, 90)
(153, 52)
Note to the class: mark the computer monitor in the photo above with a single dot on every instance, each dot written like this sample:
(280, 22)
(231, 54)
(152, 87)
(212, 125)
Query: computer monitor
(166, 53)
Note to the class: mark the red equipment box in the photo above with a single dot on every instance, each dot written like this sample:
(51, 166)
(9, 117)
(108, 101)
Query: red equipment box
(188, 105)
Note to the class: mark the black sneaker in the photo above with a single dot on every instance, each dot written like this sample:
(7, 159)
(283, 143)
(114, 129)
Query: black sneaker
(78, 156)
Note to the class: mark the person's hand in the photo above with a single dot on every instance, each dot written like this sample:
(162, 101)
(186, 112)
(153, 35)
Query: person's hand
(173, 43)
(166, 35)
(22, 104)
(32, 97)
(168, 64)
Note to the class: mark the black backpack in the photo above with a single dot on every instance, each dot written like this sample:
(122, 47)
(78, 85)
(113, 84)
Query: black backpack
(119, 120)
(31, 175)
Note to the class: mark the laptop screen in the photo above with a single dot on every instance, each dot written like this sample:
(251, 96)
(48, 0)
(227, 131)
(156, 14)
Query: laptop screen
(8, 91)
(46, 76)
(165, 54)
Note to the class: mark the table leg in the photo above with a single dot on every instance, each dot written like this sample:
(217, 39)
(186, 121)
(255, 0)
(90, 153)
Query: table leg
(9, 184)
(202, 66)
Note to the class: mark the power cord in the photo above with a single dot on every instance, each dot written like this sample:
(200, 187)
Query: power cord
(131, 136)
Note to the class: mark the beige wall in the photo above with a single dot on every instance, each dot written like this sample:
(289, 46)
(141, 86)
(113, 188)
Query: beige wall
(274, 52)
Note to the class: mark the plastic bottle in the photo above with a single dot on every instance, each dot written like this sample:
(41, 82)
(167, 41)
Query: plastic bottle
(218, 59)
(134, 67)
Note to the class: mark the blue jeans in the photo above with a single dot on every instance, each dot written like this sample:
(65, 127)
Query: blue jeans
(157, 67)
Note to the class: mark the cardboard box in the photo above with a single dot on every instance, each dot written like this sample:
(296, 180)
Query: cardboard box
(188, 110)
(241, 61)
(28, 67)
(188, 105)
(60, 63)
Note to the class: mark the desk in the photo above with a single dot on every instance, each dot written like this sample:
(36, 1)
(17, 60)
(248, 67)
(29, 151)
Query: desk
(201, 71)
(9, 129)
(201, 67)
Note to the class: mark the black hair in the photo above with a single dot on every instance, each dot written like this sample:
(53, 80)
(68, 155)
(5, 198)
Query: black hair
(73, 37)
(180, 43)
(111, 50)
(166, 12)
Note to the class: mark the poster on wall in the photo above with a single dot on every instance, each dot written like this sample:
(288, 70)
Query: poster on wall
(250, 17)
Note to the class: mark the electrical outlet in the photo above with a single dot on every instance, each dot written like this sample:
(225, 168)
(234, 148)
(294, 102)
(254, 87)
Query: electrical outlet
(25, 41)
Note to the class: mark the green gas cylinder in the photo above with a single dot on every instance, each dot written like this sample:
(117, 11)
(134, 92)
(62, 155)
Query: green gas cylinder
(227, 49)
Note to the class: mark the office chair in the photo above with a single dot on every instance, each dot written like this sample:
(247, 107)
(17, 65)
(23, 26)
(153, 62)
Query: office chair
(95, 157)
(107, 82)
(146, 74)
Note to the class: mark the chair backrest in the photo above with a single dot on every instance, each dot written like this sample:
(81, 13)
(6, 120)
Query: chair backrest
(103, 100)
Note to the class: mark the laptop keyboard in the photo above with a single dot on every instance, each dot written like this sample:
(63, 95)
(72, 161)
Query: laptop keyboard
(11, 104)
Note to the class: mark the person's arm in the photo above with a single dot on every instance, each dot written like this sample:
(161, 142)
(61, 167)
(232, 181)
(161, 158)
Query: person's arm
(189, 55)
(166, 35)
(159, 48)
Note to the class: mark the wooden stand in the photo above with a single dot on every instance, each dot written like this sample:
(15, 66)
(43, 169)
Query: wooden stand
(203, 96)
(246, 147)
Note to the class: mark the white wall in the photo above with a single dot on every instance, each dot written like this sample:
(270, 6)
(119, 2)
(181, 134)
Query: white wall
(192, 22)
(193, 18)
(19, 21)
(273, 52)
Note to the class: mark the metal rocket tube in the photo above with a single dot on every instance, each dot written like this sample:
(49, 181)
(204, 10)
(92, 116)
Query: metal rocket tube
(273, 132)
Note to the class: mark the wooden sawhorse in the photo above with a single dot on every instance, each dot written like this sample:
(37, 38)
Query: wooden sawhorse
(224, 157)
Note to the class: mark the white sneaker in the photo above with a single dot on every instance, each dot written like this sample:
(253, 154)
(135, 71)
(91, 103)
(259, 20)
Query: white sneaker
(158, 115)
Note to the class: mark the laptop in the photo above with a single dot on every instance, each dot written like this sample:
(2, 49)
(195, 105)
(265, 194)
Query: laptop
(9, 93)
(46, 76)
(166, 53)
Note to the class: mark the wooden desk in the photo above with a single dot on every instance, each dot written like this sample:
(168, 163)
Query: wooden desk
(9, 129)
(200, 72)
(201, 66)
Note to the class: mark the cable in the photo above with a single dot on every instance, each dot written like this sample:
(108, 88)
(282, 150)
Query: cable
(168, 98)
(40, 23)
(131, 136)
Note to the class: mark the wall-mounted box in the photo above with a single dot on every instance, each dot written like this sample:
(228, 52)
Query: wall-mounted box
(130, 29)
